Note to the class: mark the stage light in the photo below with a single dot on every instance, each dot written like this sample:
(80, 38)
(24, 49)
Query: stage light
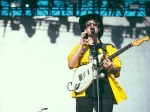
(120, 3)
(50, 4)
(27, 5)
(110, 4)
(147, 8)
(66, 3)
(15, 4)
(30, 3)
(134, 6)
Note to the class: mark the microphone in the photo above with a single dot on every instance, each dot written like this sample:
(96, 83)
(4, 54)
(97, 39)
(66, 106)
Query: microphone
(44, 108)
(92, 30)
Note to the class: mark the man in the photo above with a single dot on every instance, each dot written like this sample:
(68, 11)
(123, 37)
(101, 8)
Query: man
(90, 45)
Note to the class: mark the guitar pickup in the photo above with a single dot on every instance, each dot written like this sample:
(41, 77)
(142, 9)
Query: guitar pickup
(80, 77)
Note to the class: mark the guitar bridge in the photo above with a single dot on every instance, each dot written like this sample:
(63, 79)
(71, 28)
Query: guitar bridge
(77, 86)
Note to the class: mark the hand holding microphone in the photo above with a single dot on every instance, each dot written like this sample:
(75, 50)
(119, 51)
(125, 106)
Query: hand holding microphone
(84, 38)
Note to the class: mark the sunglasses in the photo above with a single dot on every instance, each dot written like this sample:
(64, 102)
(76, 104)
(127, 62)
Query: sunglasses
(89, 23)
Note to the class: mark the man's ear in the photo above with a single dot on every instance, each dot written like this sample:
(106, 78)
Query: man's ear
(98, 29)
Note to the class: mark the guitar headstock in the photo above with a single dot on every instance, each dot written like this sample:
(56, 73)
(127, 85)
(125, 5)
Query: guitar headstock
(139, 41)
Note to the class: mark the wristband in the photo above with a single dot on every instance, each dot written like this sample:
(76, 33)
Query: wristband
(113, 71)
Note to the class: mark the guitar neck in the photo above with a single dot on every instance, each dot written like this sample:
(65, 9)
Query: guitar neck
(118, 52)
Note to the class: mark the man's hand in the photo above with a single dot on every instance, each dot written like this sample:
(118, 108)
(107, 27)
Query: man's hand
(109, 65)
(83, 41)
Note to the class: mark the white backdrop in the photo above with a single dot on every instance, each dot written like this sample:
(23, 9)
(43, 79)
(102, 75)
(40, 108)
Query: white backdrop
(34, 72)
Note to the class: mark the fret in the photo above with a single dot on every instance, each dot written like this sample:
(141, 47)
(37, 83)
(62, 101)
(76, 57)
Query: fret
(120, 51)
(134, 43)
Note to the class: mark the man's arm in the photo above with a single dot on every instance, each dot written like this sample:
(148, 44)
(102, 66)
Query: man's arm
(113, 66)
(74, 58)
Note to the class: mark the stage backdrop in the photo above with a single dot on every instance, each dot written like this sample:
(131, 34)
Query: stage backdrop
(33, 62)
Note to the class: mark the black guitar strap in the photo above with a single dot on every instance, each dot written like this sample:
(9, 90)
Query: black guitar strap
(103, 47)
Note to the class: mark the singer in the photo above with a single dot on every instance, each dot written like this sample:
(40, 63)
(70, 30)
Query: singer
(110, 92)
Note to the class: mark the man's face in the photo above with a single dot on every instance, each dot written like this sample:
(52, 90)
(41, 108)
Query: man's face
(92, 24)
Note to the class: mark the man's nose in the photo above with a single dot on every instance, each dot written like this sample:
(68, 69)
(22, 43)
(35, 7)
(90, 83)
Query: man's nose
(92, 24)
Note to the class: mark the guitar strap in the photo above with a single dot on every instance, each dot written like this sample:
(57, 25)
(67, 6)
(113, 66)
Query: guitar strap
(100, 45)
(103, 47)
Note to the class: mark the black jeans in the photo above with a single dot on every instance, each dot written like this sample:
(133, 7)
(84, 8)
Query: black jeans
(86, 104)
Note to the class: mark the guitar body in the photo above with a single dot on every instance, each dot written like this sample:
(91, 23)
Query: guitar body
(83, 77)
